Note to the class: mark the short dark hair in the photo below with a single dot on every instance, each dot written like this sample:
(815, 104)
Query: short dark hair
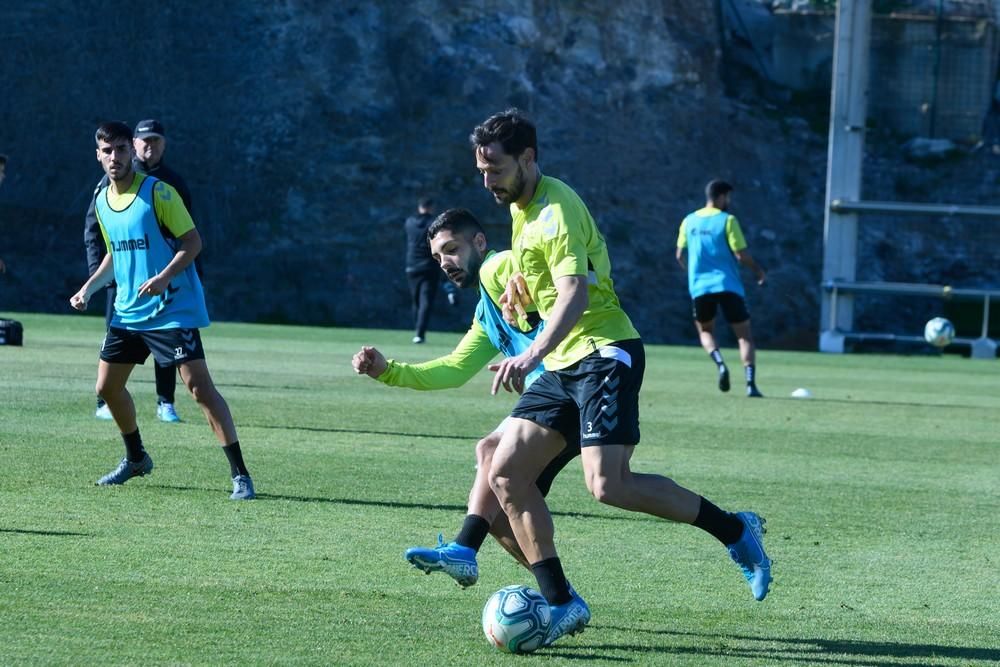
(456, 221)
(111, 130)
(511, 128)
(3, 159)
(425, 202)
(716, 188)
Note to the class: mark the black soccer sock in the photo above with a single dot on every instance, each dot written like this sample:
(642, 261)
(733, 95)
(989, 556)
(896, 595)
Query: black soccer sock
(751, 373)
(551, 581)
(723, 526)
(166, 382)
(717, 357)
(474, 531)
(235, 456)
(134, 450)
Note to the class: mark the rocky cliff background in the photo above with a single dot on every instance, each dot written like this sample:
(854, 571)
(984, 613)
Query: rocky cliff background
(307, 130)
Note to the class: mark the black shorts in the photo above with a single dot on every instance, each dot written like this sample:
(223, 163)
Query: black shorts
(734, 307)
(169, 346)
(596, 399)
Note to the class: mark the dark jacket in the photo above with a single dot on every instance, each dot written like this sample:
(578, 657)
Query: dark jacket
(92, 239)
(418, 249)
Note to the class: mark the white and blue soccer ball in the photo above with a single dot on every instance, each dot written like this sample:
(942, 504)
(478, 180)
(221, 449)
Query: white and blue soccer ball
(516, 619)
(939, 332)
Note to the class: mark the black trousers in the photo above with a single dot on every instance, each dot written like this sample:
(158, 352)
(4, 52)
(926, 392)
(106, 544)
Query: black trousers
(166, 376)
(423, 289)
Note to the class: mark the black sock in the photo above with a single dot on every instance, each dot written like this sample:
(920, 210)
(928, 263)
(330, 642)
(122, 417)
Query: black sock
(723, 526)
(551, 581)
(100, 403)
(751, 372)
(474, 531)
(717, 357)
(235, 456)
(134, 450)
(166, 382)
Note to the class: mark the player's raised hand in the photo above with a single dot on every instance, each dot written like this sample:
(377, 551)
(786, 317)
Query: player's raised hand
(514, 299)
(369, 361)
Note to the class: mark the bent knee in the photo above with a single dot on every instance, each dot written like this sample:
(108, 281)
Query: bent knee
(485, 449)
(608, 491)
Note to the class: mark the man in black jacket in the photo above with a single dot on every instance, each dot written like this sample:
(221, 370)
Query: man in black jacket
(150, 143)
(422, 272)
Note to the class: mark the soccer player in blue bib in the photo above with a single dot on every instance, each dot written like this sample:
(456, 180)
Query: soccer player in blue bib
(715, 247)
(159, 308)
(458, 244)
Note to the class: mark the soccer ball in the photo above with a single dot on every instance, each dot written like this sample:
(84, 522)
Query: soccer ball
(516, 619)
(939, 332)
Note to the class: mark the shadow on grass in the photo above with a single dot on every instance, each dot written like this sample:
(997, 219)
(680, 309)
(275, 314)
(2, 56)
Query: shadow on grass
(354, 431)
(46, 533)
(794, 650)
(396, 504)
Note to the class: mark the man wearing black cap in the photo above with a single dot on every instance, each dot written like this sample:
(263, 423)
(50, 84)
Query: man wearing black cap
(150, 143)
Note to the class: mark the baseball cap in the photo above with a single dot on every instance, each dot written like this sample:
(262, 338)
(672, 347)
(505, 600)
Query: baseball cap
(149, 128)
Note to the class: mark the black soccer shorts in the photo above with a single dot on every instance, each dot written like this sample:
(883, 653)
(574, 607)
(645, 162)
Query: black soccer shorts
(596, 399)
(168, 346)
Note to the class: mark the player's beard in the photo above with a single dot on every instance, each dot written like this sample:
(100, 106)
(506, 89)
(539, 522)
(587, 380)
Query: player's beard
(507, 196)
(468, 276)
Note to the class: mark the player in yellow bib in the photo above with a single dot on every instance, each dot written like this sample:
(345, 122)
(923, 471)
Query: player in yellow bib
(594, 363)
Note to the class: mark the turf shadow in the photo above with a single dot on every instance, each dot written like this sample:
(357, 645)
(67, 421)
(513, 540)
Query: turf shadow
(46, 533)
(791, 649)
(354, 431)
(396, 504)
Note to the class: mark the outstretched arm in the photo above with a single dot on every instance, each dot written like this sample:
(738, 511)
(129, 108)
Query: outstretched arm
(471, 355)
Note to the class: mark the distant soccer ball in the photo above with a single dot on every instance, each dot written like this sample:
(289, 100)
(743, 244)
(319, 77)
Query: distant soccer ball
(516, 619)
(939, 332)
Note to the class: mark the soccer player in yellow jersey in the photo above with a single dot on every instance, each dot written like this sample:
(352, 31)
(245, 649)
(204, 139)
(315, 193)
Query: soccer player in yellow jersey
(594, 364)
(711, 247)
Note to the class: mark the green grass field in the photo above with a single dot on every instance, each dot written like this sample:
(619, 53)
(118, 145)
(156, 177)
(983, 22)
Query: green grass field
(881, 495)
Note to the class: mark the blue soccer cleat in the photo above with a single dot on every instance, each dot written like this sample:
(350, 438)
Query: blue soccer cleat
(243, 488)
(453, 559)
(126, 470)
(748, 552)
(165, 412)
(567, 619)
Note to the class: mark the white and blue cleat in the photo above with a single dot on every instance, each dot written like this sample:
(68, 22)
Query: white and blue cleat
(455, 560)
(748, 552)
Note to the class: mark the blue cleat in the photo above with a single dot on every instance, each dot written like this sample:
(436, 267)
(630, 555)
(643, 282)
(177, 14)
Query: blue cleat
(126, 470)
(567, 619)
(243, 488)
(748, 552)
(103, 412)
(753, 391)
(165, 412)
(453, 559)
